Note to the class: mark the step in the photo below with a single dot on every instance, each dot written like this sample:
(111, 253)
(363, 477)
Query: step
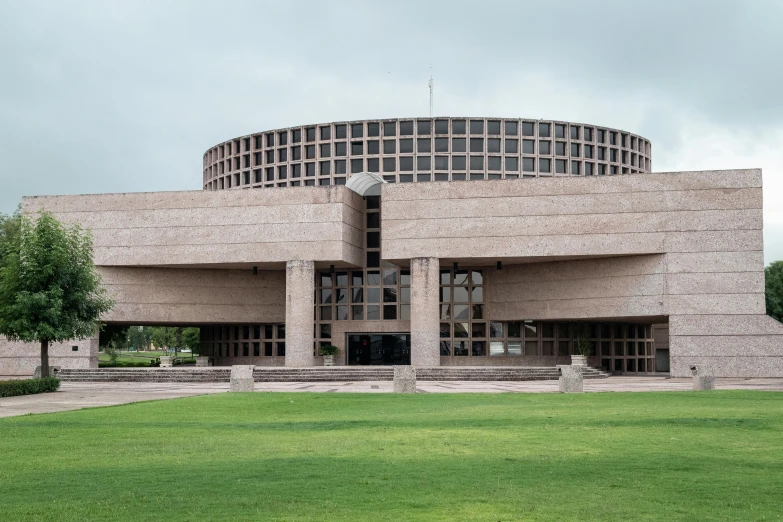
(318, 373)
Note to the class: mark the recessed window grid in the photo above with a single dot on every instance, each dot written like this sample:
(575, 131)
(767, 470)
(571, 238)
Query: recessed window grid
(246, 340)
(446, 141)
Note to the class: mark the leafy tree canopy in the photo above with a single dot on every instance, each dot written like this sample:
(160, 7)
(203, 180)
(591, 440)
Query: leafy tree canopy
(774, 289)
(49, 288)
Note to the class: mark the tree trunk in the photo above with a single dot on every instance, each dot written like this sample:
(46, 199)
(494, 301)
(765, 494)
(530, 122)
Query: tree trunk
(44, 359)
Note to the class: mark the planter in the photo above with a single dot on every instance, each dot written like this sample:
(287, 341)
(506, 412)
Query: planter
(578, 360)
(166, 361)
(202, 361)
(328, 360)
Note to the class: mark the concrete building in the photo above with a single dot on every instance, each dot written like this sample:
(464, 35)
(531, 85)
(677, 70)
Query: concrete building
(440, 241)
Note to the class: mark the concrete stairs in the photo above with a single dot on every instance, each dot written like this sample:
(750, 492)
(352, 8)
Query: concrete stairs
(318, 374)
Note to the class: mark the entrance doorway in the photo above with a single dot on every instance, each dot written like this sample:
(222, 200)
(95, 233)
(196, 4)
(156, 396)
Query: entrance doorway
(661, 360)
(381, 349)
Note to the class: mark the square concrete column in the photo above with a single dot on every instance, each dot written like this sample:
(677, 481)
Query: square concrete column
(425, 312)
(299, 288)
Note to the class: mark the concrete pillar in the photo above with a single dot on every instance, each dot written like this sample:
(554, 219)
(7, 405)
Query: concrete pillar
(425, 312)
(299, 288)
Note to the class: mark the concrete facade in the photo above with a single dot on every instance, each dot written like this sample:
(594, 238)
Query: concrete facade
(495, 271)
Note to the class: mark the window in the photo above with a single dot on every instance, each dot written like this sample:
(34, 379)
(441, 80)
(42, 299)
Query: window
(493, 163)
(528, 147)
(357, 148)
(441, 126)
(493, 127)
(339, 167)
(373, 147)
(545, 147)
(406, 128)
(340, 149)
(545, 165)
(309, 151)
(588, 151)
(476, 144)
(326, 150)
(282, 172)
(406, 163)
(423, 127)
(600, 136)
(493, 144)
(574, 150)
(423, 162)
(477, 126)
(588, 169)
(282, 155)
(282, 138)
(326, 133)
(559, 131)
(458, 126)
(458, 145)
(528, 128)
(441, 163)
(477, 163)
(601, 153)
(389, 146)
(373, 165)
(560, 166)
(574, 133)
(340, 132)
(441, 144)
(511, 128)
(390, 128)
(543, 130)
(296, 135)
(357, 165)
(575, 168)
(424, 145)
(588, 134)
(458, 162)
(357, 130)
(512, 163)
(324, 168)
(296, 170)
(512, 146)
(406, 145)
(373, 129)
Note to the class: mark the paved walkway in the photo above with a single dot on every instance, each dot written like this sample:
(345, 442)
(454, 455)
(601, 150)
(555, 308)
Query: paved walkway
(75, 396)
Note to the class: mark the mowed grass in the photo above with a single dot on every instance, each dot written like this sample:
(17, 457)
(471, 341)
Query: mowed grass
(281, 456)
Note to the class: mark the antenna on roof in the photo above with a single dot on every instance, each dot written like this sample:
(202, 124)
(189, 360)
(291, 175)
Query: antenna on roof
(431, 84)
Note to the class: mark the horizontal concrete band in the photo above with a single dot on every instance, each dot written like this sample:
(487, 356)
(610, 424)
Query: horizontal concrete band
(509, 226)
(569, 185)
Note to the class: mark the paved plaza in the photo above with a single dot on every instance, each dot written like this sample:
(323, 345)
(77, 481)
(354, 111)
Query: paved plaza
(75, 396)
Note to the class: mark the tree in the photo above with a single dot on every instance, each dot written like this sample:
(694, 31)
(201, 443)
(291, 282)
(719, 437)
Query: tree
(139, 337)
(176, 338)
(49, 288)
(773, 275)
(9, 234)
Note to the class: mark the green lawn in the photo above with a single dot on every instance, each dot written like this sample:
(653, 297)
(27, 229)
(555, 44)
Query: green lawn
(599, 456)
(139, 356)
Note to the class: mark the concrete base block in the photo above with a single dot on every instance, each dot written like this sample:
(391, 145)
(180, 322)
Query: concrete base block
(53, 370)
(404, 379)
(570, 379)
(242, 378)
(166, 361)
(202, 361)
(703, 382)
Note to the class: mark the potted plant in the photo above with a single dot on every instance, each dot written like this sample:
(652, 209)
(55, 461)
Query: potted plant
(329, 352)
(583, 347)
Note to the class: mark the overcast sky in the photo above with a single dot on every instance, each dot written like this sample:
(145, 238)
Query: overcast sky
(107, 96)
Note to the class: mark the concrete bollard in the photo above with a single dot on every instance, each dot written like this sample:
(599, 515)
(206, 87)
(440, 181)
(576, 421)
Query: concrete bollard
(202, 360)
(702, 379)
(404, 379)
(242, 378)
(570, 379)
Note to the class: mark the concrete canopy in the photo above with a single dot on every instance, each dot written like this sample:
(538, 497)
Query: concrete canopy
(365, 184)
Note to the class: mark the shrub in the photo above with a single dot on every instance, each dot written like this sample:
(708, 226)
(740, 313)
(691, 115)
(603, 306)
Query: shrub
(29, 386)
(329, 350)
